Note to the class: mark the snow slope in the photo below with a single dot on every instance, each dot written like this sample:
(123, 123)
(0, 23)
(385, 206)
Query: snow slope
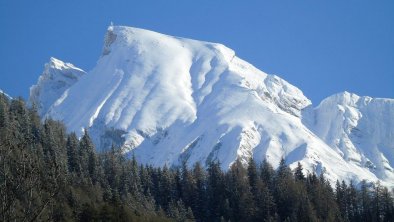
(170, 99)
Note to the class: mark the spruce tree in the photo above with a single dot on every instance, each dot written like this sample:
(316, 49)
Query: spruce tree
(284, 192)
(215, 192)
(240, 195)
(72, 154)
(298, 174)
(88, 157)
(267, 174)
(200, 195)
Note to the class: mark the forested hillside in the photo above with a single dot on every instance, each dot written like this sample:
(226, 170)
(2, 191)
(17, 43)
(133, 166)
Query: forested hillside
(47, 174)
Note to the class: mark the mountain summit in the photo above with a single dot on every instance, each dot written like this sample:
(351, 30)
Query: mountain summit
(169, 100)
(53, 83)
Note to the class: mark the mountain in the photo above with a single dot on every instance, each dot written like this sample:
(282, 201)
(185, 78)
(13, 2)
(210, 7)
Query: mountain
(54, 83)
(168, 99)
(360, 129)
(2, 92)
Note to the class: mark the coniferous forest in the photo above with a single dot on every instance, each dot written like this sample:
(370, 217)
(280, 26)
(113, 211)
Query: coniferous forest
(47, 174)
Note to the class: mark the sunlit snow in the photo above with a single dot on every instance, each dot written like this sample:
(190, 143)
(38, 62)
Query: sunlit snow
(173, 99)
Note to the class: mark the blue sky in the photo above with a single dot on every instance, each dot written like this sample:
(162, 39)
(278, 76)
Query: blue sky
(322, 47)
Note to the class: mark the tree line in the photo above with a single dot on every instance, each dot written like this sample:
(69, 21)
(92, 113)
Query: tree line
(47, 174)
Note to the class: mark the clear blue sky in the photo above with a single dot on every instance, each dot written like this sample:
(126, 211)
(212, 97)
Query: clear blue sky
(322, 47)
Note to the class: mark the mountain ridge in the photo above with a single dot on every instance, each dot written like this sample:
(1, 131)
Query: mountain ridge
(8, 96)
(169, 99)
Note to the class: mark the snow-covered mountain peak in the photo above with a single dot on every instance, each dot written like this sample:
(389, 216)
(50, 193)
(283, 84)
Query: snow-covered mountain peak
(360, 129)
(56, 78)
(173, 76)
(344, 98)
(57, 70)
(141, 40)
(55, 63)
(169, 99)
(202, 55)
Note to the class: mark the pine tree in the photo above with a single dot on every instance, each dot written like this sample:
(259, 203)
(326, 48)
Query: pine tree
(352, 203)
(387, 205)
(298, 174)
(200, 195)
(72, 154)
(215, 192)
(188, 186)
(166, 188)
(267, 174)
(341, 196)
(112, 170)
(88, 157)
(252, 175)
(135, 183)
(285, 193)
(377, 202)
(366, 202)
(240, 196)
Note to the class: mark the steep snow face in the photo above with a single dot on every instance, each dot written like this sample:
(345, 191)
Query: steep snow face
(53, 84)
(360, 129)
(146, 81)
(168, 100)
